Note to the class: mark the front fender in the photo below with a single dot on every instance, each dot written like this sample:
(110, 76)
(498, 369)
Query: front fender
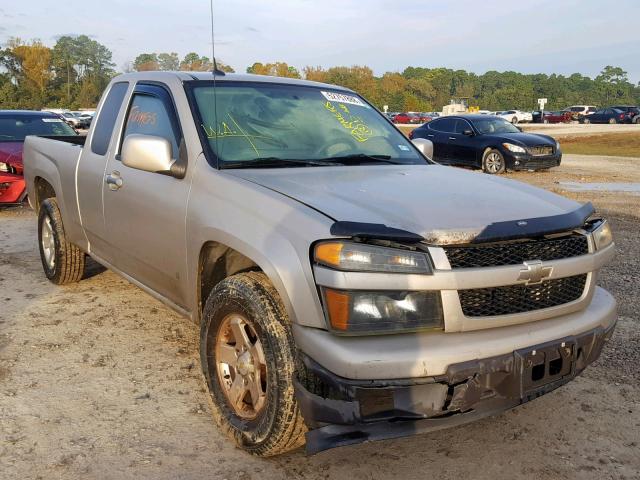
(274, 231)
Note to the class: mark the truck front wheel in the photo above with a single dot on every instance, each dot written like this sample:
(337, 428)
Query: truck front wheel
(62, 262)
(248, 361)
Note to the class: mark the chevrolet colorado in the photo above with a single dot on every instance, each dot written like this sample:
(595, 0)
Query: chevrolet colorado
(347, 288)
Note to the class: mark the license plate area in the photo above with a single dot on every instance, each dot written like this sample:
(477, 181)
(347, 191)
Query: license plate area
(544, 367)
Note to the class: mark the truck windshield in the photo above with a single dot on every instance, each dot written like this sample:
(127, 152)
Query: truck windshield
(14, 127)
(254, 124)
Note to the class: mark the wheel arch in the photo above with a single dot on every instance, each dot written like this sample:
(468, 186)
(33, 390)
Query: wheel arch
(43, 190)
(218, 260)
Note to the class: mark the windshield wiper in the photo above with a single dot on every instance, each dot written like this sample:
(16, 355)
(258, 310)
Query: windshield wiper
(276, 162)
(358, 158)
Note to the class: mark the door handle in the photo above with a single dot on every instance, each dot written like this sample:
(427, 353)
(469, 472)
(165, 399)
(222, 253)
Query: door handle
(430, 135)
(452, 138)
(113, 180)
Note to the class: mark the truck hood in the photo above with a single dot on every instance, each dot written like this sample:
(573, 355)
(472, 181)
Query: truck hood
(442, 204)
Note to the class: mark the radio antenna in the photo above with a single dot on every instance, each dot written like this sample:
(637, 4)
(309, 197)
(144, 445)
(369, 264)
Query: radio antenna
(213, 43)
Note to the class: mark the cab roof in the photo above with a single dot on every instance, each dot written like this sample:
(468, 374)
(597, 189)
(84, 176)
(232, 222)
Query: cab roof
(227, 77)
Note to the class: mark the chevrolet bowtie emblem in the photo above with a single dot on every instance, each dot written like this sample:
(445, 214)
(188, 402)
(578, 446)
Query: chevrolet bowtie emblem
(534, 272)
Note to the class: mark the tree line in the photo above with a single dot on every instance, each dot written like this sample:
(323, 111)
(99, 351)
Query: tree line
(74, 72)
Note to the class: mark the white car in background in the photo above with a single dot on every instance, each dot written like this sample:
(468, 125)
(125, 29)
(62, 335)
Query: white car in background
(579, 111)
(515, 116)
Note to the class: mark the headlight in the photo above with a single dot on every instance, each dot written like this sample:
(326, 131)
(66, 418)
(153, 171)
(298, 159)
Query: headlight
(4, 167)
(360, 257)
(602, 235)
(360, 312)
(514, 148)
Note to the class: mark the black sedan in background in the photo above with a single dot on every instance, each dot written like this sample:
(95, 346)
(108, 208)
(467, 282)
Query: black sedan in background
(633, 112)
(607, 115)
(488, 142)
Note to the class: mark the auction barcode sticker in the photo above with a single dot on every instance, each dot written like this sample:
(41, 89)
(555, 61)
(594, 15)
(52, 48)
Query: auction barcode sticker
(51, 120)
(343, 98)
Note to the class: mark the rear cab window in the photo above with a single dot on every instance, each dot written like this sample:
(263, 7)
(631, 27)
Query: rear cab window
(107, 118)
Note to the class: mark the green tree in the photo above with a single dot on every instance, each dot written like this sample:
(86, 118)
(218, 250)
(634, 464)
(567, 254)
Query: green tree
(277, 69)
(146, 62)
(195, 63)
(168, 61)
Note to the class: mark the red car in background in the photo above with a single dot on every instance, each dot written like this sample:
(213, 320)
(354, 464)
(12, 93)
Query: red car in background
(564, 116)
(15, 125)
(407, 118)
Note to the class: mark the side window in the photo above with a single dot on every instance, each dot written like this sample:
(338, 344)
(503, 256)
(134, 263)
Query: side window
(445, 125)
(150, 115)
(107, 118)
(461, 126)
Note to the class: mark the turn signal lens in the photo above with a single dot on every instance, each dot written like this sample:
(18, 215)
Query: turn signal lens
(338, 308)
(360, 257)
(364, 312)
(329, 253)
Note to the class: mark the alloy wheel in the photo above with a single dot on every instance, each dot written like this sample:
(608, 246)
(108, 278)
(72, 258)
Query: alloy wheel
(241, 366)
(493, 162)
(48, 243)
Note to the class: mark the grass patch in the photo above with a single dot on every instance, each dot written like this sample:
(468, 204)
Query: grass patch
(614, 144)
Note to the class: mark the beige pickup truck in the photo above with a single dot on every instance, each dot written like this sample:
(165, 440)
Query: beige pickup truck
(348, 288)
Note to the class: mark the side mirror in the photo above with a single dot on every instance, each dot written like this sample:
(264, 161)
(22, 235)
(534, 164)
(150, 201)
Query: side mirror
(147, 152)
(425, 146)
(468, 133)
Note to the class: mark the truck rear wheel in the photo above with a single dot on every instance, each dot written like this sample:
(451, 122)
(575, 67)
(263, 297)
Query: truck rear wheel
(62, 262)
(248, 361)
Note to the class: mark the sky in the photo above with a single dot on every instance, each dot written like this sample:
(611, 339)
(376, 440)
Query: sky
(531, 36)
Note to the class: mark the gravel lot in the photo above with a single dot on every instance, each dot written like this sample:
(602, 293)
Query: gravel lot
(100, 381)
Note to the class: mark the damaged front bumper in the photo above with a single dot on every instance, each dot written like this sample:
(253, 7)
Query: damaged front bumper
(342, 412)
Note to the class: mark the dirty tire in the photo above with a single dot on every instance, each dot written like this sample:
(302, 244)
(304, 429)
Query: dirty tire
(493, 162)
(612, 121)
(67, 265)
(278, 427)
(586, 121)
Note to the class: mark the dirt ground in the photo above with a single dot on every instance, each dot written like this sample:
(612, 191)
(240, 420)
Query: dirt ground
(100, 381)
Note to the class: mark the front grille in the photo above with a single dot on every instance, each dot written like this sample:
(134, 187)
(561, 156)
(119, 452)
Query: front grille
(541, 150)
(514, 253)
(488, 302)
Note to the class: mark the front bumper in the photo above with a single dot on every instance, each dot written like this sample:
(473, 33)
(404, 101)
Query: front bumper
(525, 161)
(342, 412)
(12, 188)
